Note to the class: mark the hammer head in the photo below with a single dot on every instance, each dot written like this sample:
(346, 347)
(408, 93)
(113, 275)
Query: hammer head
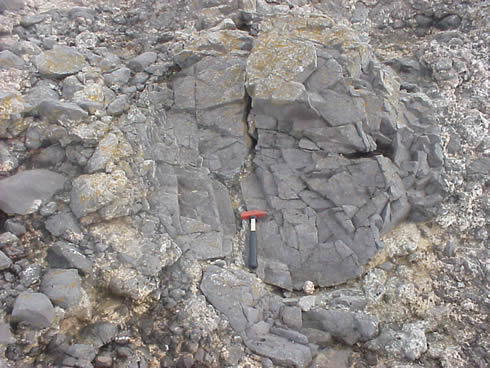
(247, 214)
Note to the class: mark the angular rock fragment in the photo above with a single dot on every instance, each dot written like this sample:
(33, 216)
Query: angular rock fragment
(5, 261)
(63, 287)
(11, 108)
(10, 60)
(60, 62)
(63, 255)
(34, 309)
(142, 61)
(66, 114)
(346, 326)
(22, 193)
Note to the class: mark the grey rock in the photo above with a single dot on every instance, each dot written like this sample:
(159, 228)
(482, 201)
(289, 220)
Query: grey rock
(292, 317)
(423, 21)
(450, 21)
(479, 168)
(6, 336)
(409, 343)
(92, 192)
(118, 77)
(22, 193)
(332, 358)
(118, 106)
(43, 90)
(13, 5)
(258, 329)
(8, 162)
(142, 61)
(16, 228)
(60, 62)
(66, 114)
(289, 334)
(49, 156)
(230, 291)
(30, 20)
(348, 327)
(9, 60)
(63, 287)
(79, 355)
(64, 225)
(8, 239)
(318, 337)
(63, 255)
(5, 261)
(71, 85)
(99, 334)
(281, 350)
(276, 273)
(31, 275)
(34, 309)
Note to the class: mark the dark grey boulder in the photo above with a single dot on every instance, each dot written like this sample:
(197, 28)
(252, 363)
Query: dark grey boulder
(450, 21)
(118, 77)
(348, 327)
(63, 255)
(34, 309)
(63, 287)
(22, 193)
(99, 334)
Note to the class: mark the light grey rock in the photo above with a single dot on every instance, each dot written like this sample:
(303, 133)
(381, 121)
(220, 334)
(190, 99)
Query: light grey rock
(13, 5)
(60, 62)
(289, 334)
(332, 358)
(22, 193)
(5, 261)
(66, 114)
(12, 107)
(63, 287)
(292, 317)
(9, 60)
(34, 309)
(348, 327)
(118, 106)
(30, 20)
(92, 192)
(118, 77)
(409, 343)
(318, 337)
(31, 275)
(63, 255)
(142, 61)
(281, 350)
(230, 291)
(8, 238)
(6, 336)
(71, 85)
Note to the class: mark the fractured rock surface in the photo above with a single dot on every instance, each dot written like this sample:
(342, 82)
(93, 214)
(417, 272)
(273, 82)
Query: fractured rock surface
(341, 156)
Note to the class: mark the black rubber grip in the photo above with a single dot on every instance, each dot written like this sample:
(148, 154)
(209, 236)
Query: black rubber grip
(252, 250)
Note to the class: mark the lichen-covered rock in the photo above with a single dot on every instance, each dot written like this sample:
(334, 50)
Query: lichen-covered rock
(335, 166)
(11, 108)
(59, 62)
(24, 192)
(91, 193)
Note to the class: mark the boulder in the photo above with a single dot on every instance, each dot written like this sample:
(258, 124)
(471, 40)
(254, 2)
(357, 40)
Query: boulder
(34, 309)
(60, 62)
(65, 113)
(5, 261)
(22, 193)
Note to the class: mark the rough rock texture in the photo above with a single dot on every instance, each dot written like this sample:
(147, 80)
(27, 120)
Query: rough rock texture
(24, 192)
(347, 121)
